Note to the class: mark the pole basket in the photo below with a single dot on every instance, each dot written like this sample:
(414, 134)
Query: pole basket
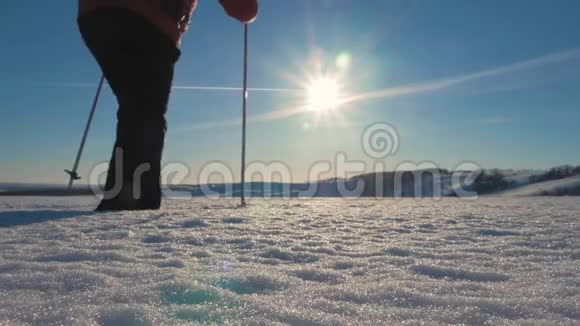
(73, 175)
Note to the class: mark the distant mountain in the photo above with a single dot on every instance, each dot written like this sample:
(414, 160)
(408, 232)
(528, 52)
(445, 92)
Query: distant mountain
(558, 181)
(29, 189)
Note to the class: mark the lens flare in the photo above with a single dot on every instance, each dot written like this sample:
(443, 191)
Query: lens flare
(343, 60)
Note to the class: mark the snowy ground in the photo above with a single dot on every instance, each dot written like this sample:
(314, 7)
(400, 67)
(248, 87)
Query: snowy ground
(499, 261)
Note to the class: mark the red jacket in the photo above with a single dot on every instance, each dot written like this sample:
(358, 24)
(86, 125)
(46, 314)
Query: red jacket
(156, 11)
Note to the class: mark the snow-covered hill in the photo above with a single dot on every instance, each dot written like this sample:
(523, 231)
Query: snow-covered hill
(495, 261)
(548, 188)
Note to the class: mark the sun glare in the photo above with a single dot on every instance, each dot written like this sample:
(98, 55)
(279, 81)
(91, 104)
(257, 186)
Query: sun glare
(323, 94)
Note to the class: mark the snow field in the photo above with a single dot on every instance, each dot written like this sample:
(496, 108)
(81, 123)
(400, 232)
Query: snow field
(496, 261)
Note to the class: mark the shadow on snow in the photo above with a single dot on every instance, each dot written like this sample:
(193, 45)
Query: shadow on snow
(17, 218)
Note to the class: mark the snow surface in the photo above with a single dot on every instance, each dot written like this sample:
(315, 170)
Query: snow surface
(496, 261)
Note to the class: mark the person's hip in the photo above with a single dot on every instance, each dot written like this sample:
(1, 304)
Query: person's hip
(158, 18)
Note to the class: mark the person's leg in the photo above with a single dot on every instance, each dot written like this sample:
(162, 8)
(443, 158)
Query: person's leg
(137, 60)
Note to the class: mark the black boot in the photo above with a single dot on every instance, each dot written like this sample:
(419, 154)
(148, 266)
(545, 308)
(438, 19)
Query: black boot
(134, 176)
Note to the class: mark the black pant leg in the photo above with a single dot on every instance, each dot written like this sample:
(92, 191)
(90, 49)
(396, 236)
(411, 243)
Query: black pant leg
(138, 61)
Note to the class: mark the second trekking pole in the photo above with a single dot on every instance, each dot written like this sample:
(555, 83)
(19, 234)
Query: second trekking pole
(244, 118)
(73, 174)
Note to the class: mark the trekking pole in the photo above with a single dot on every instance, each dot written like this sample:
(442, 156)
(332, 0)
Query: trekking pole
(74, 173)
(244, 117)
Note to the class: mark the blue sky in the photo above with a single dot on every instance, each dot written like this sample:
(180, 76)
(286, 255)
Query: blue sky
(493, 82)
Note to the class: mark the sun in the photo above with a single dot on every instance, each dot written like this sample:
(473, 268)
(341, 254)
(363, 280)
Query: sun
(323, 94)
